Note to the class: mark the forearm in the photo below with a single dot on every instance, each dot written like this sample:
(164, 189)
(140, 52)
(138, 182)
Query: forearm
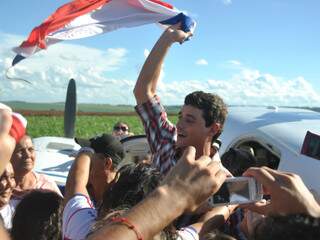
(149, 76)
(78, 176)
(214, 219)
(149, 217)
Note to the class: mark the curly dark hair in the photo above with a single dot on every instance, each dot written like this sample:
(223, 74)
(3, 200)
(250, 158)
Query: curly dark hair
(131, 185)
(293, 227)
(38, 217)
(214, 110)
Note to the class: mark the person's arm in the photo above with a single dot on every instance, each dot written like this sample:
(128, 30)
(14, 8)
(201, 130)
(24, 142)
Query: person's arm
(213, 219)
(185, 187)
(7, 142)
(288, 193)
(146, 84)
(78, 176)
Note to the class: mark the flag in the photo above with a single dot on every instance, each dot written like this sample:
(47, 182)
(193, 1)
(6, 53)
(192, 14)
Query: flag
(86, 18)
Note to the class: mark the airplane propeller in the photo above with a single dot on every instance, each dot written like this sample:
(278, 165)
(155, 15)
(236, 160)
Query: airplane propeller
(70, 109)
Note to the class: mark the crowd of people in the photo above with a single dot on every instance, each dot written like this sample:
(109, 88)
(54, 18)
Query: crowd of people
(166, 199)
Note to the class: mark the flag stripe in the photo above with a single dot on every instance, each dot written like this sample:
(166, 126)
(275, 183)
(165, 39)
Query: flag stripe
(59, 19)
(167, 5)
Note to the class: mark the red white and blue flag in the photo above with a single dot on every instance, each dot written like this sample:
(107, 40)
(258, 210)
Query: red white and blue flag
(86, 18)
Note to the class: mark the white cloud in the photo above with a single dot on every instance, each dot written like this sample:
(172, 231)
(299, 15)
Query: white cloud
(146, 53)
(201, 62)
(101, 77)
(248, 86)
(50, 70)
(227, 2)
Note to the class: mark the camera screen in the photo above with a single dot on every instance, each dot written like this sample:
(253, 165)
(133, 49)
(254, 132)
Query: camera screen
(233, 192)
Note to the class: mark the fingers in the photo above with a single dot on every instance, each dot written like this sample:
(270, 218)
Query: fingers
(220, 177)
(5, 121)
(262, 175)
(216, 157)
(262, 207)
(189, 154)
(207, 149)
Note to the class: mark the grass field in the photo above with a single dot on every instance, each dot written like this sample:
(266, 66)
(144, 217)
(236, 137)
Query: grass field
(86, 126)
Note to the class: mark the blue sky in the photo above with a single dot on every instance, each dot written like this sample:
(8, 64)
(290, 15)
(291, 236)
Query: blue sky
(250, 52)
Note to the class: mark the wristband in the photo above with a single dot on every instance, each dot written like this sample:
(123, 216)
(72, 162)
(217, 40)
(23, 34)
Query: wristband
(125, 221)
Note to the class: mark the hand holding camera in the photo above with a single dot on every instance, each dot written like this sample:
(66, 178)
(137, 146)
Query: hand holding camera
(288, 193)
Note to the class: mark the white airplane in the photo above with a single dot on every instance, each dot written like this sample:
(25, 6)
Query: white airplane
(277, 137)
(287, 139)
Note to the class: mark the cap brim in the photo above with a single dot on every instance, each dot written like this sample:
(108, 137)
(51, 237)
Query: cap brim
(83, 142)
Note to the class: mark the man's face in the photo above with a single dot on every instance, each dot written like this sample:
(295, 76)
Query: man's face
(97, 174)
(191, 128)
(23, 157)
(120, 129)
(7, 183)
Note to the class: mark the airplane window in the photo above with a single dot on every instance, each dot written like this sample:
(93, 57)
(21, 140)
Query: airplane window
(59, 146)
(311, 145)
(264, 156)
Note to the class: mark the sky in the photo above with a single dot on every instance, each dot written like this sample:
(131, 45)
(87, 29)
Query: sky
(255, 52)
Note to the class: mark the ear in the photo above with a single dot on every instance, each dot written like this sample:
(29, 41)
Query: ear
(108, 163)
(214, 129)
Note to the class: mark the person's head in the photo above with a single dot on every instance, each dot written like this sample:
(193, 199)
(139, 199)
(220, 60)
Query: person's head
(201, 119)
(293, 227)
(120, 129)
(23, 157)
(104, 162)
(131, 185)
(7, 184)
(38, 216)
(237, 161)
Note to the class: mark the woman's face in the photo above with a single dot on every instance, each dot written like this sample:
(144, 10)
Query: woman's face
(23, 157)
(7, 183)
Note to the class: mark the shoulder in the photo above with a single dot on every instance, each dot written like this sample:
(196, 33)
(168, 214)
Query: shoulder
(78, 216)
(45, 182)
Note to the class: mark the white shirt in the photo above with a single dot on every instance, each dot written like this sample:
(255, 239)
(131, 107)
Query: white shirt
(78, 216)
(187, 233)
(7, 213)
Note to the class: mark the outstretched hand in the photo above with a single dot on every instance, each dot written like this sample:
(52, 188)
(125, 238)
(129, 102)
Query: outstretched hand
(194, 179)
(289, 195)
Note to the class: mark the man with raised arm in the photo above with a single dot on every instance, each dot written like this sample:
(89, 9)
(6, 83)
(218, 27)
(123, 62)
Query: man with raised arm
(201, 118)
(95, 166)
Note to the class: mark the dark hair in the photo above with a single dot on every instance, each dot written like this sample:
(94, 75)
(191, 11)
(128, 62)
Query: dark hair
(217, 235)
(214, 110)
(38, 216)
(237, 161)
(131, 185)
(293, 227)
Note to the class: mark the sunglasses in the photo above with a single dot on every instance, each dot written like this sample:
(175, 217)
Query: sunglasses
(123, 128)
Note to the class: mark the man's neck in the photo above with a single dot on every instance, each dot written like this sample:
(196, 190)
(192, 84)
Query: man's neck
(99, 189)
